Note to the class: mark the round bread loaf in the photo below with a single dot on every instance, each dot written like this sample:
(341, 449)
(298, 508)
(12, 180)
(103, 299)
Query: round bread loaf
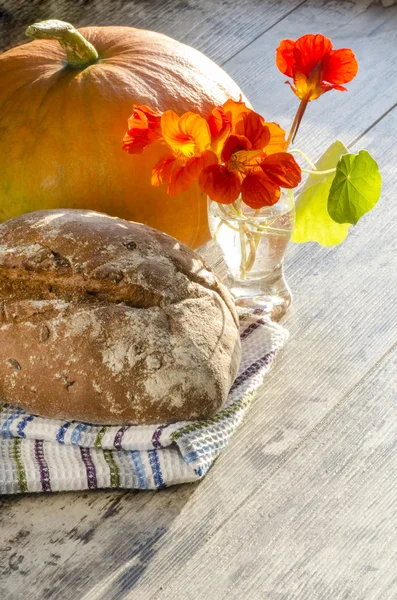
(110, 322)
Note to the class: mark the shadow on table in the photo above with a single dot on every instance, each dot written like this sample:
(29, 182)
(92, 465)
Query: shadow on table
(95, 545)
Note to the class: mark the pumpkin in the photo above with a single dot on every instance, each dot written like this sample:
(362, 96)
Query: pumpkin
(65, 99)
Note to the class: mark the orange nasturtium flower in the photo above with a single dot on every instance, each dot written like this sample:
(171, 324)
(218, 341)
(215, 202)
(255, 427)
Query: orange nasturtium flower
(253, 162)
(143, 129)
(189, 140)
(235, 151)
(315, 66)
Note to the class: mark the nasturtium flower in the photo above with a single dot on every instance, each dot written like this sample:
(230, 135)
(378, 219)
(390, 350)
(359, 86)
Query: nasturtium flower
(222, 182)
(143, 129)
(246, 163)
(258, 183)
(188, 139)
(315, 66)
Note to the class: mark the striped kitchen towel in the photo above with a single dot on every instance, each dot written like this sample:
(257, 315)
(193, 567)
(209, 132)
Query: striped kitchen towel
(48, 455)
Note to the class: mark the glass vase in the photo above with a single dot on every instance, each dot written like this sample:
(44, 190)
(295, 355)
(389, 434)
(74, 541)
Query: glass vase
(253, 243)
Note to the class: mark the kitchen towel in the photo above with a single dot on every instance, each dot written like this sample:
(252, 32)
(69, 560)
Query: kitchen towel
(48, 455)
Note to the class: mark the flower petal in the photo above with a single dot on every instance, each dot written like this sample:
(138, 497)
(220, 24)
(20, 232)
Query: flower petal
(258, 191)
(188, 134)
(143, 129)
(234, 111)
(285, 57)
(170, 129)
(292, 88)
(282, 169)
(182, 175)
(218, 142)
(193, 125)
(195, 165)
(309, 51)
(144, 117)
(251, 125)
(277, 140)
(162, 169)
(302, 86)
(217, 121)
(220, 184)
(179, 180)
(135, 143)
(220, 128)
(339, 66)
(234, 143)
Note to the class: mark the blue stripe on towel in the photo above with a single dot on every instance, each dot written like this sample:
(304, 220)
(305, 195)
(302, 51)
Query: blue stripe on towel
(5, 430)
(76, 434)
(155, 464)
(60, 437)
(22, 424)
(139, 469)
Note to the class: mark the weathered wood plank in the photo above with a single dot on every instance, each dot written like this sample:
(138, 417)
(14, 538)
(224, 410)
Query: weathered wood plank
(330, 351)
(325, 525)
(219, 29)
(40, 535)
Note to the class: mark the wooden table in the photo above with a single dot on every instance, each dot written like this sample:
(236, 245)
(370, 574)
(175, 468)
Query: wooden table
(303, 502)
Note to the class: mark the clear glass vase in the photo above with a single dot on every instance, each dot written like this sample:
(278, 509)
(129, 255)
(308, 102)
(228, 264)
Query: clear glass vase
(253, 243)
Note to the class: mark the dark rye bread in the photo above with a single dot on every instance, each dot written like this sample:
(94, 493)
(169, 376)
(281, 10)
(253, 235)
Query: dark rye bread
(110, 322)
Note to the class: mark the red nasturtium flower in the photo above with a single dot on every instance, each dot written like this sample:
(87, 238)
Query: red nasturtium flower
(143, 129)
(189, 139)
(315, 66)
(253, 162)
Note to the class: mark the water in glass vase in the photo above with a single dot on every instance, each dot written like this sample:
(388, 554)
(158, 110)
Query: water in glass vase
(253, 243)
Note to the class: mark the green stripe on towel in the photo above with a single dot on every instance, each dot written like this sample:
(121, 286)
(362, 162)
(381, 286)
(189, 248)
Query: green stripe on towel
(21, 473)
(99, 437)
(227, 412)
(113, 468)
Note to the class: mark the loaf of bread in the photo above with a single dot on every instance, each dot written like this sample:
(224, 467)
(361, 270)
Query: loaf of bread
(110, 322)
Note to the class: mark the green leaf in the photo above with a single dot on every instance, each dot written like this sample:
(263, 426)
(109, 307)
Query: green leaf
(313, 223)
(355, 189)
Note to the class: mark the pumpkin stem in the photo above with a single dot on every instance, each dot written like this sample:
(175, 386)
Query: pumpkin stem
(79, 52)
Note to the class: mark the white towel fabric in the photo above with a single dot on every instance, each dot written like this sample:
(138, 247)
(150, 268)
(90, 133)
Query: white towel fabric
(44, 455)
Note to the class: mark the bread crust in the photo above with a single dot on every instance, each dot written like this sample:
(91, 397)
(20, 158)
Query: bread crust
(111, 322)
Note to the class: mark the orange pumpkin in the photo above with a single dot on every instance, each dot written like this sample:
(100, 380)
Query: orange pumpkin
(65, 99)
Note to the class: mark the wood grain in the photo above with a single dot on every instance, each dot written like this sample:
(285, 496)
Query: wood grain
(343, 323)
(220, 29)
(325, 525)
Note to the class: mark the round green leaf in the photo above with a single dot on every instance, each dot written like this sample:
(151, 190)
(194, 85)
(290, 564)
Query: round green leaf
(355, 189)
